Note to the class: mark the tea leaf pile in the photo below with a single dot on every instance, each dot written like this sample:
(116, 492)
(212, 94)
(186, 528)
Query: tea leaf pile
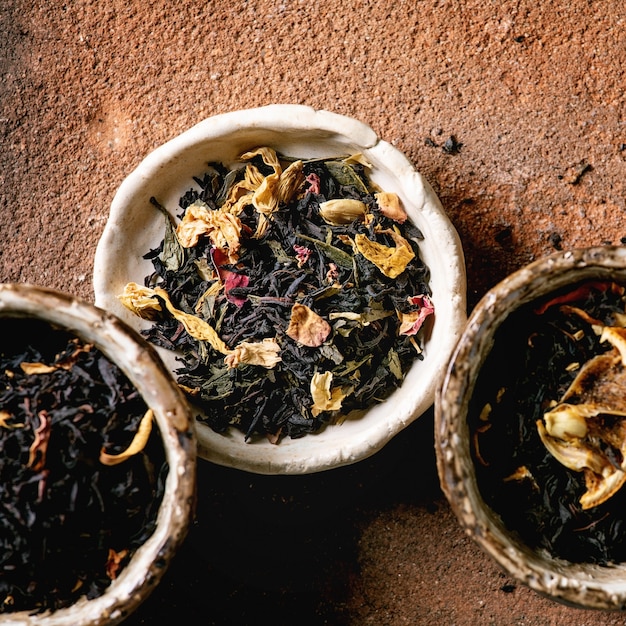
(68, 523)
(248, 289)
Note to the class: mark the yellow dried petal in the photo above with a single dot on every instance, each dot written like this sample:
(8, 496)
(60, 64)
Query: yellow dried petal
(5, 416)
(37, 368)
(141, 301)
(263, 353)
(223, 228)
(290, 182)
(324, 397)
(211, 292)
(136, 445)
(390, 261)
(616, 336)
(307, 327)
(253, 176)
(390, 206)
(577, 433)
(267, 154)
(195, 326)
(601, 487)
(265, 197)
(272, 190)
(342, 211)
(572, 454)
(598, 386)
(358, 158)
(239, 196)
(566, 422)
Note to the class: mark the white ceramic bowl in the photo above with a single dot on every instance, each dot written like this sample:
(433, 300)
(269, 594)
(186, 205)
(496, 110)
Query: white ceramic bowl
(581, 584)
(145, 370)
(134, 227)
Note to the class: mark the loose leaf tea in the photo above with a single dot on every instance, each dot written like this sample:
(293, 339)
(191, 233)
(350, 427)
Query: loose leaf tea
(292, 290)
(548, 424)
(82, 470)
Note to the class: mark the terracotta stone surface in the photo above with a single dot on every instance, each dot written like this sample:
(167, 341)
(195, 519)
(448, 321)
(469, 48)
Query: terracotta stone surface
(514, 111)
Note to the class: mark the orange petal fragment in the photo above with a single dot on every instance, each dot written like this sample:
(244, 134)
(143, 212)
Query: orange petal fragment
(307, 327)
(136, 445)
(391, 261)
(390, 206)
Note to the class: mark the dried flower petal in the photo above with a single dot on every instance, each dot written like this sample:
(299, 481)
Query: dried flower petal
(390, 261)
(577, 434)
(114, 562)
(263, 353)
(290, 182)
(5, 416)
(325, 398)
(307, 327)
(617, 337)
(267, 154)
(302, 254)
(37, 368)
(39, 447)
(232, 281)
(411, 322)
(358, 157)
(579, 293)
(141, 301)
(136, 445)
(314, 183)
(239, 196)
(221, 227)
(195, 326)
(390, 206)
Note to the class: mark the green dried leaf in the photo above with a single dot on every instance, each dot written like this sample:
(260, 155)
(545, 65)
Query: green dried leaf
(394, 364)
(345, 175)
(173, 254)
(330, 352)
(334, 254)
(229, 180)
(278, 251)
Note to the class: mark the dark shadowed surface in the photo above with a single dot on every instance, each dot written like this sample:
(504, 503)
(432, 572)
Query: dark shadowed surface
(514, 112)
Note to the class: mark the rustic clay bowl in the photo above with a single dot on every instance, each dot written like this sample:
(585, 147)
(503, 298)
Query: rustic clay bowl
(584, 585)
(134, 227)
(145, 370)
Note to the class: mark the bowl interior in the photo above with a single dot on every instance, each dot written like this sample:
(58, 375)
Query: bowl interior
(145, 370)
(134, 227)
(580, 584)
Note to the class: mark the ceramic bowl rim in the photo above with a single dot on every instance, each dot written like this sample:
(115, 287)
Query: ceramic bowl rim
(145, 370)
(581, 585)
(296, 125)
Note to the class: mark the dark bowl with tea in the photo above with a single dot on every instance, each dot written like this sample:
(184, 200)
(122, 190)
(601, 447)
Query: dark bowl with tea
(531, 426)
(97, 471)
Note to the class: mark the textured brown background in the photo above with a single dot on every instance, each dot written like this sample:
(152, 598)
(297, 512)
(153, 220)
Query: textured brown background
(533, 95)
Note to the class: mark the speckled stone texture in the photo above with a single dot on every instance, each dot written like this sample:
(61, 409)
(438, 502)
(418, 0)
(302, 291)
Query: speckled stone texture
(515, 113)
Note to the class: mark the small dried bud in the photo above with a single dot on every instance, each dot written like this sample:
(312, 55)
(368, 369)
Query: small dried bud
(565, 422)
(342, 211)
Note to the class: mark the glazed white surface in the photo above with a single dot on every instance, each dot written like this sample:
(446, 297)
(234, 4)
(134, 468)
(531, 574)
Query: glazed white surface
(134, 227)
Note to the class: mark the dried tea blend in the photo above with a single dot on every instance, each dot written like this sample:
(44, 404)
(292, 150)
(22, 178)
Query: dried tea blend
(293, 291)
(548, 424)
(82, 471)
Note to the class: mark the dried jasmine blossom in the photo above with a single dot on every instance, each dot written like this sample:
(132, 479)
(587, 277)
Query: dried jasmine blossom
(293, 292)
(82, 470)
(548, 424)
